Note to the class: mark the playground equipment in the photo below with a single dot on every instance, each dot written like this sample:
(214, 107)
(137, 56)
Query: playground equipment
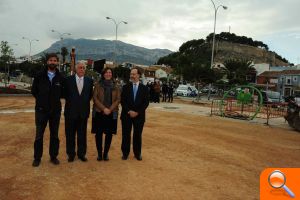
(246, 102)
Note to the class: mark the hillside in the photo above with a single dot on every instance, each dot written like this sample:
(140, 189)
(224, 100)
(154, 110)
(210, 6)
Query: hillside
(225, 50)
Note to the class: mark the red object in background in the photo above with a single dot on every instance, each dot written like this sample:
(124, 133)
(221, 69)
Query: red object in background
(90, 62)
(12, 86)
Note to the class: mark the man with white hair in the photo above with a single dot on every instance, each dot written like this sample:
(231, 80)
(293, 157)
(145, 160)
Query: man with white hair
(78, 93)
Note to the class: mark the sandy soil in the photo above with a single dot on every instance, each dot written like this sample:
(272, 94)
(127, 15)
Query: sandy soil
(184, 157)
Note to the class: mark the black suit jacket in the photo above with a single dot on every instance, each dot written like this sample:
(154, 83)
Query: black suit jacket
(139, 105)
(77, 105)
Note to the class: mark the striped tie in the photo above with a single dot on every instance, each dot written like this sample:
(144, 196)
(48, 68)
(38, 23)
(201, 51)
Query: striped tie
(79, 85)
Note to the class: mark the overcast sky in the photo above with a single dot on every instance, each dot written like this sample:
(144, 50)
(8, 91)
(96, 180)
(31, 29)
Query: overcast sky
(151, 24)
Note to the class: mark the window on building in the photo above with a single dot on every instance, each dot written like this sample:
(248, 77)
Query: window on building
(288, 80)
(295, 79)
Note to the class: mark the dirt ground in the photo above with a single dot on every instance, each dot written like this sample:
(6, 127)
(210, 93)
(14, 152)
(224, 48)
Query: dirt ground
(185, 156)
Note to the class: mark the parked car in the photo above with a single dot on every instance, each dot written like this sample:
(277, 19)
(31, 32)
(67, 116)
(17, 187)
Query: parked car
(272, 97)
(186, 90)
(206, 89)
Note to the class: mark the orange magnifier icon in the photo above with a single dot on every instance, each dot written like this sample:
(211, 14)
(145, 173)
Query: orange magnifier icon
(277, 180)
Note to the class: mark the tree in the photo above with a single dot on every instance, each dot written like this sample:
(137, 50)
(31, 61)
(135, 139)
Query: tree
(231, 37)
(64, 53)
(237, 70)
(5, 58)
(30, 69)
(201, 73)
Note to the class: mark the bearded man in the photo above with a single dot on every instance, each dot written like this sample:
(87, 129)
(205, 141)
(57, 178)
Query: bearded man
(47, 88)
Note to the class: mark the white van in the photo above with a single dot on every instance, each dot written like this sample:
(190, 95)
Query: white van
(186, 90)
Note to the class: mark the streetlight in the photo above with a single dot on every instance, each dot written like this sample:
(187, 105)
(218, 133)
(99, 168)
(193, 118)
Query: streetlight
(61, 37)
(117, 26)
(213, 45)
(30, 41)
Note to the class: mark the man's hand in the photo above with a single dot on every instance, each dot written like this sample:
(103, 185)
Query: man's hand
(106, 111)
(132, 114)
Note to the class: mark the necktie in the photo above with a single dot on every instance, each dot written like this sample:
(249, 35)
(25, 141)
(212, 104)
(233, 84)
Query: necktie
(134, 91)
(79, 85)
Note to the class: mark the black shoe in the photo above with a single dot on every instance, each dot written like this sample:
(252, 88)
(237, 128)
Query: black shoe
(83, 158)
(138, 157)
(55, 161)
(36, 163)
(124, 157)
(99, 158)
(105, 157)
(71, 159)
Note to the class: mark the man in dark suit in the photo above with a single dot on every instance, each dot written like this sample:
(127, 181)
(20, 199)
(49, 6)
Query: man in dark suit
(47, 88)
(78, 93)
(134, 101)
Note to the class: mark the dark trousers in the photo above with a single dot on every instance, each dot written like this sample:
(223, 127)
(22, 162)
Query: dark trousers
(156, 97)
(99, 141)
(73, 126)
(138, 126)
(41, 120)
(164, 99)
(170, 97)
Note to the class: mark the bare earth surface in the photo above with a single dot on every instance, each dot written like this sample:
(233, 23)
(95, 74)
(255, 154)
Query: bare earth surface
(185, 156)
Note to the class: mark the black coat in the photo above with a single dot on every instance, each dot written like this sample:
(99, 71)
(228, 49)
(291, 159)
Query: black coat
(139, 105)
(77, 105)
(47, 94)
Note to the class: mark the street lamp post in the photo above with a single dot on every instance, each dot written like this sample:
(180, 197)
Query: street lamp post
(213, 45)
(117, 26)
(30, 41)
(61, 37)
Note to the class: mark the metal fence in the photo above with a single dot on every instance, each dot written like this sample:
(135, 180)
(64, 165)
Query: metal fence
(234, 109)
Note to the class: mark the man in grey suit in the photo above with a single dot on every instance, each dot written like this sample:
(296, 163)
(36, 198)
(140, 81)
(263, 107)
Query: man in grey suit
(78, 93)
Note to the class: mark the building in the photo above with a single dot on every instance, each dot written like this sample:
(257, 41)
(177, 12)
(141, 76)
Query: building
(282, 68)
(289, 82)
(261, 67)
(268, 80)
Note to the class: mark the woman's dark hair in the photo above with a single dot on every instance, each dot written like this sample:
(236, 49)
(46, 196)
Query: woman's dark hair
(105, 70)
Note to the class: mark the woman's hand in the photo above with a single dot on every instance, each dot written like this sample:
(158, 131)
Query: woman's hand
(106, 111)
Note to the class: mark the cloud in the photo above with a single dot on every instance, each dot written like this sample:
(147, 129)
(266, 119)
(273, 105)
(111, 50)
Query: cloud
(151, 24)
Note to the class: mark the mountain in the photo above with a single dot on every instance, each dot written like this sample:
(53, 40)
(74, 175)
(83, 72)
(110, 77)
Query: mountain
(104, 49)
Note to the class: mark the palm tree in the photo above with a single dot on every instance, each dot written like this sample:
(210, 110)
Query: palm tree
(237, 70)
(64, 53)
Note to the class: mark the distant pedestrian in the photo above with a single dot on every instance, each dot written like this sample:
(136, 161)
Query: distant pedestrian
(156, 89)
(170, 92)
(152, 92)
(164, 90)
